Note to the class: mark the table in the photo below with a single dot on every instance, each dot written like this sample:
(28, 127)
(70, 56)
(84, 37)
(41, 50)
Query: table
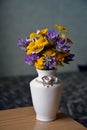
(24, 119)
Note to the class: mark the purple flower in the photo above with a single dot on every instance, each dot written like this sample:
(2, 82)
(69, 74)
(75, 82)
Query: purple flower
(23, 43)
(52, 36)
(65, 48)
(62, 45)
(50, 62)
(31, 58)
(61, 42)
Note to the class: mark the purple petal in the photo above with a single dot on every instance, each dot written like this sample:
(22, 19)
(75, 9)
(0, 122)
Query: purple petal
(50, 62)
(23, 43)
(52, 34)
(65, 48)
(31, 58)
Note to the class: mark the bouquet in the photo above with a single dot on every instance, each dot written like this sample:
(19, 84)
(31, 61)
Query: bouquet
(46, 49)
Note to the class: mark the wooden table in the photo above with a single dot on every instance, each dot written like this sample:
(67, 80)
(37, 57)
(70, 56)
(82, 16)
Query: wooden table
(24, 119)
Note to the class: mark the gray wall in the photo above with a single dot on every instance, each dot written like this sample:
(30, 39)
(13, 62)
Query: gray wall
(18, 18)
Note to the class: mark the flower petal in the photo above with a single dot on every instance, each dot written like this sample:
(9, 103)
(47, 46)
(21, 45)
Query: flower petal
(61, 28)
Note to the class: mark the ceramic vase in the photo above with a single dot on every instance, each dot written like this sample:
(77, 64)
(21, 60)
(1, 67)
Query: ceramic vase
(46, 90)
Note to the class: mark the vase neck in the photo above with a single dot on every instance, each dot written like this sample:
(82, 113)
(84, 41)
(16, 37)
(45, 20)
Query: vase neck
(42, 73)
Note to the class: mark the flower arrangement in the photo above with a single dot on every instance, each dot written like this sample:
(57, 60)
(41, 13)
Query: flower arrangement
(46, 49)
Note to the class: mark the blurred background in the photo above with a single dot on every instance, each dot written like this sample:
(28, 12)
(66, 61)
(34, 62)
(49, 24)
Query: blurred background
(18, 18)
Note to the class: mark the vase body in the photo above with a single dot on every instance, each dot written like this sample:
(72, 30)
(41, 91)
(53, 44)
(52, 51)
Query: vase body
(46, 92)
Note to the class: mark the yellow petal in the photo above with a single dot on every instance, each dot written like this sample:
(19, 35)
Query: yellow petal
(60, 57)
(63, 35)
(40, 40)
(45, 43)
(39, 63)
(30, 45)
(61, 28)
(43, 31)
(33, 35)
(49, 52)
(38, 49)
(35, 49)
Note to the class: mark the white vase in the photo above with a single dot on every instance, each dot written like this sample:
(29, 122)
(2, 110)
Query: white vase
(46, 92)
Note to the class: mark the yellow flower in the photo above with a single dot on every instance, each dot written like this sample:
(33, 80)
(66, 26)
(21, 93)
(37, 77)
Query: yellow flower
(42, 41)
(49, 52)
(39, 63)
(61, 28)
(33, 35)
(34, 48)
(60, 57)
(43, 31)
(37, 46)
